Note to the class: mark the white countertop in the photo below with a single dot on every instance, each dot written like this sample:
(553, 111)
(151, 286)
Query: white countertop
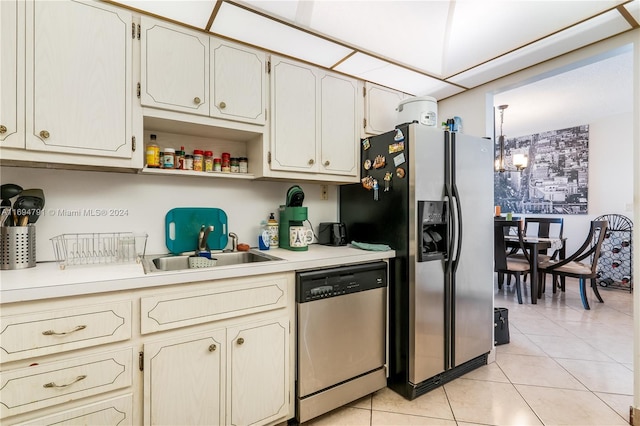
(46, 280)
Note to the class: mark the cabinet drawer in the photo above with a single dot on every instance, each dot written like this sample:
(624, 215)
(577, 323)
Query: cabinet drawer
(116, 411)
(32, 388)
(217, 300)
(44, 333)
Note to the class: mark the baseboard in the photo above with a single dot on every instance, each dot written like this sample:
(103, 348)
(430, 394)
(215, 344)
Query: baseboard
(634, 416)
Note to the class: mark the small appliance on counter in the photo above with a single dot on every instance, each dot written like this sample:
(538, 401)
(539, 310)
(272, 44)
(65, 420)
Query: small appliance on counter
(292, 232)
(332, 234)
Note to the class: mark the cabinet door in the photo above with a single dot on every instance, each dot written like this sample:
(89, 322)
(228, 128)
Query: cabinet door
(294, 116)
(174, 68)
(78, 78)
(380, 108)
(258, 372)
(116, 411)
(183, 381)
(238, 87)
(11, 74)
(339, 141)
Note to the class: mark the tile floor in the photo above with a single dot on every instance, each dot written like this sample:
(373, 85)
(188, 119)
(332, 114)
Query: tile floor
(563, 366)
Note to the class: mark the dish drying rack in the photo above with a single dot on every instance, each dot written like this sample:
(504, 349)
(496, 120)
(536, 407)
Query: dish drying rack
(99, 248)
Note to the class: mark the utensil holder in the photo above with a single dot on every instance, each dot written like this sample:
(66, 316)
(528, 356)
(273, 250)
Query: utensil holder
(18, 247)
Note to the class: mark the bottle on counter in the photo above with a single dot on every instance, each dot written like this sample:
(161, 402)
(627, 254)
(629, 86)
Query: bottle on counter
(153, 153)
(272, 228)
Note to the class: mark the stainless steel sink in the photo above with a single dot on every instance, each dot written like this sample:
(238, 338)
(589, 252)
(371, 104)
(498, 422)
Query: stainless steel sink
(180, 262)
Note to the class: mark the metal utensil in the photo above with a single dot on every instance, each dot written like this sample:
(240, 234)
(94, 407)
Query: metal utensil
(29, 204)
(8, 191)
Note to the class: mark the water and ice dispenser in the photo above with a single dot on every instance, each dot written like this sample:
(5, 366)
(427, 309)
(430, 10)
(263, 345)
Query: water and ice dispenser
(432, 219)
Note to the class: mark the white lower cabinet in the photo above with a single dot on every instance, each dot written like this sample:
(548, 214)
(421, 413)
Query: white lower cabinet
(184, 380)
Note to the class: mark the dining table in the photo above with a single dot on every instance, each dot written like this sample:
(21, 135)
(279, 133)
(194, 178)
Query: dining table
(533, 245)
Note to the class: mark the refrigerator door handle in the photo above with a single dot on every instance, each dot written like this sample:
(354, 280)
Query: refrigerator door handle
(457, 216)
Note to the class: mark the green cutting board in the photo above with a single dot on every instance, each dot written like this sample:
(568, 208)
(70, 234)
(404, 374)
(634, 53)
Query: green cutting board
(182, 226)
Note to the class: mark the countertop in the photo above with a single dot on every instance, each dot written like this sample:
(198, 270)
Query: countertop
(46, 280)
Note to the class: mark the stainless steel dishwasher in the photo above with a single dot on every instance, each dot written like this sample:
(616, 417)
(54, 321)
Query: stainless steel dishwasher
(341, 336)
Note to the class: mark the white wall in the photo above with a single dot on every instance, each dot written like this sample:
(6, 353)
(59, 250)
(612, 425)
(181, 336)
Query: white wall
(148, 198)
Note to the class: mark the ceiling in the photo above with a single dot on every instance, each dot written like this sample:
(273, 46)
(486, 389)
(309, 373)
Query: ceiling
(437, 48)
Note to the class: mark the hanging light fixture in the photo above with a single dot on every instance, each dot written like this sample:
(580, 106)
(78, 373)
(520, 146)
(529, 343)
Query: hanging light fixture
(520, 161)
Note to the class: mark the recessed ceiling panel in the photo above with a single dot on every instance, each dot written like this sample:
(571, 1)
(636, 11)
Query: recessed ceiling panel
(634, 9)
(254, 29)
(482, 30)
(573, 38)
(191, 12)
(387, 74)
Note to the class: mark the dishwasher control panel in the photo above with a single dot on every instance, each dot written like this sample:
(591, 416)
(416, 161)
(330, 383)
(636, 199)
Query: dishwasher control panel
(325, 283)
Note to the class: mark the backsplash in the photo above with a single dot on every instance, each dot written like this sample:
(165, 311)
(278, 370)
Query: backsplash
(82, 201)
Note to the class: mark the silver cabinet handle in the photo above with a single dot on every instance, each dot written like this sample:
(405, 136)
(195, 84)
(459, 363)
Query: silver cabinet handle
(196, 100)
(240, 340)
(212, 348)
(62, 333)
(54, 385)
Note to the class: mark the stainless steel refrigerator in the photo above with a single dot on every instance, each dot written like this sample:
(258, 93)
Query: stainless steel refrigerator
(428, 194)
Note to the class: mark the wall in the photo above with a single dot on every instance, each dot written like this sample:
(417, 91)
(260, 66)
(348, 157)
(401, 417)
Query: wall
(146, 199)
(475, 108)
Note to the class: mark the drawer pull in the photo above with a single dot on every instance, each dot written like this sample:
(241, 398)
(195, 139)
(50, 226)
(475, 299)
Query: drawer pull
(54, 385)
(212, 348)
(3, 129)
(62, 333)
(240, 341)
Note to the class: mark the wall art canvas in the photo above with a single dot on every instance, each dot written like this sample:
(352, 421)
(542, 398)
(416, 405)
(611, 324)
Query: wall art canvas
(556, 178)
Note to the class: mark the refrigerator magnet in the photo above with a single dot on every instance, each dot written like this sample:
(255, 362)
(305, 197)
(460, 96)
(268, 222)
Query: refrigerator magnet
(379, 162)
(399, 159)
(400, 172)
(396, 147)
(399, 136)
(387, 181)
(366, 144)
(367, 164)
(367, 182)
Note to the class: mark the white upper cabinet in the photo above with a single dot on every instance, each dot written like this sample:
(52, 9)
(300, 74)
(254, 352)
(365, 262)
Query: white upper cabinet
(174, 67)
(238, 82)
(314, 122)
(78, 78)
(11, 75)
(380, 108)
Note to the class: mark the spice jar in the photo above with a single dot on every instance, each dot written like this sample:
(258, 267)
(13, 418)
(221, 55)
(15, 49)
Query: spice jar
(226, 166)
(198, 158)
(180, 159)
(244, 164)
(169, 158)
(153, 153)
(217, 164)
(188, 162)
(234, 165)
(208, 161)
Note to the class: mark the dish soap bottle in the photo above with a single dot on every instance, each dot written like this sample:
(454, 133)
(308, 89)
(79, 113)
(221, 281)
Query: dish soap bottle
(272, 227)
(263, 236)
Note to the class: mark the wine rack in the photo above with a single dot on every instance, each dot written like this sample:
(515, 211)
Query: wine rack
(615, 263)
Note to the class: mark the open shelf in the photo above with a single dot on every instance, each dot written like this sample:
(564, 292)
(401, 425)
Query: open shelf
(172, 172)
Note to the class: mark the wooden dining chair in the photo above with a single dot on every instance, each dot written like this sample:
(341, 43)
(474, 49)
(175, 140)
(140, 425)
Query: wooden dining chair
(582, 264)
(544, 231)
(504, 264)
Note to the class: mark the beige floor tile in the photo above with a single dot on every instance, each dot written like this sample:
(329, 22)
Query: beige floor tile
(619, 403)
(569, 407)
(431, 404)
(364, 403)
(490, 372)
(383, 418)
(568, 347)
(543, 326)
(345, 416)
(537, 371)
(490, 403)
(620, 348)
(519, 344)
(598, 376)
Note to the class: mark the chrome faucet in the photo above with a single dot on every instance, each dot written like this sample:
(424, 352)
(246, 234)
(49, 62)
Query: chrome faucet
(203, 235)
(234, 241)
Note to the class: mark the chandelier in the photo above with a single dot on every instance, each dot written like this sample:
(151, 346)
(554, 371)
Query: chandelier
(520, 161)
